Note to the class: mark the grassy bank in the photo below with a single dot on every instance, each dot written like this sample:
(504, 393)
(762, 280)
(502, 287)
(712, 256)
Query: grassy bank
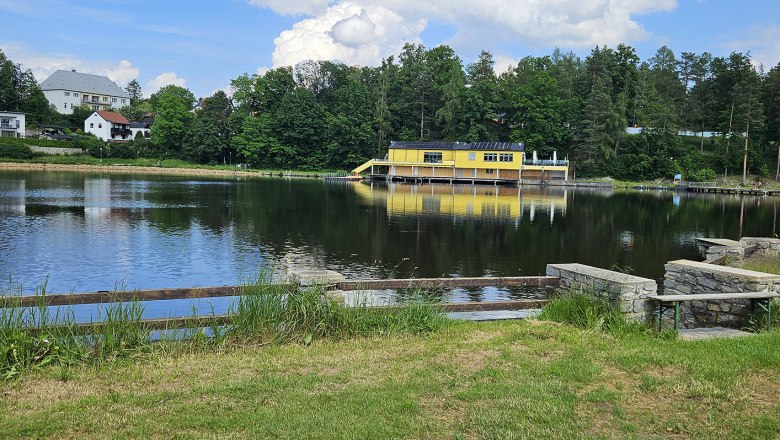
(266, 313)
(142, 165)
(768, 265)
(515, 379)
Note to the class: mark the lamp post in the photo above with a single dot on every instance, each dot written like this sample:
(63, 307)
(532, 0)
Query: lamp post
(230, 154)
(101, 155)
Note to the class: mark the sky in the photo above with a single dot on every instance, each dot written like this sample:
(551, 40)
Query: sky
(203, 44)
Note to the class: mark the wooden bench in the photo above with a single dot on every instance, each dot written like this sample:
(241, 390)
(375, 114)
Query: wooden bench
(667, 302)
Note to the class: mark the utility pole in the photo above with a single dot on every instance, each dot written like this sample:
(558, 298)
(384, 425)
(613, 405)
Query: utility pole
(744, 159)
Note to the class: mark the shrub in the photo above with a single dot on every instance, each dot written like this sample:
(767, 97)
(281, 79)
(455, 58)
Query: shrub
(37, 142)
(702, 175)
(12, 151)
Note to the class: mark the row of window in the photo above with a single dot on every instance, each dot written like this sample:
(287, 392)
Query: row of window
(431, 157)
(105, 98)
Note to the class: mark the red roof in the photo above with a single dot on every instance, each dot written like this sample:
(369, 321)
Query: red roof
(114, 117)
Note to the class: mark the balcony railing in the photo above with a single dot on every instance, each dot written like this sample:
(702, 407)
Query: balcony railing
(547, 163)
(7, 127)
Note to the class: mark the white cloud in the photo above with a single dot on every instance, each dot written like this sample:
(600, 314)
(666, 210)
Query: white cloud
(348, 33)
(162, 80)
(262, 70)
(365, 31)
(504, 63)
(761, 41)
(43, 65)
(293, 7)
(122, 73)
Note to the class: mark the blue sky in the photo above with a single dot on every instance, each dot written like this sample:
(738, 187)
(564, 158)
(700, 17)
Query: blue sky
(202, 44)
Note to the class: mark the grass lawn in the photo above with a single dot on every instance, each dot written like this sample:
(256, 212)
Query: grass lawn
(516, 379)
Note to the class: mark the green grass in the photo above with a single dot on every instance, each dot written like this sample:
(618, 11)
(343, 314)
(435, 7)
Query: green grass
(295, 365)
(84, 159)
(517, 379)
(768, 265)
(267, 313)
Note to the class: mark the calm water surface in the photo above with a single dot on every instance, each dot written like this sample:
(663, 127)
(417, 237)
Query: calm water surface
(88, 232)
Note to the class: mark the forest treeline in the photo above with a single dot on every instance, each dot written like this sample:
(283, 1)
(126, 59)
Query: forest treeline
(325, 115)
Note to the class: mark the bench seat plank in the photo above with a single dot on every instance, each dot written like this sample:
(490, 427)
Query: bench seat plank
(714, 296)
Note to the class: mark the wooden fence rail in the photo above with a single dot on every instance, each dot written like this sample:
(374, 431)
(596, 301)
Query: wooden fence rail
(183, 322)
(225, 291)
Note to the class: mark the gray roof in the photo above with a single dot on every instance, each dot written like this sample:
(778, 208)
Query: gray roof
(82, 82)
(440, 145)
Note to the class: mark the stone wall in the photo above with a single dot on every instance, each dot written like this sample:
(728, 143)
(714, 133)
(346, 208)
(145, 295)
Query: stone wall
(736, 251)
(684, 277)
(627, 292)
(55, 150)
(765, 247)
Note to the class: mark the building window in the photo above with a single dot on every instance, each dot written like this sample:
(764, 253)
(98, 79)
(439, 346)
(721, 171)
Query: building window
(472, 156)
(67, 93)
(123, 100)
(66, 105)
(489, 171)
(113, 99)
(105, 99)
(94, 107)
(490, 157)
(91, 125)
(100, 125)
(76, 94)
(506, 157)
(432, 157)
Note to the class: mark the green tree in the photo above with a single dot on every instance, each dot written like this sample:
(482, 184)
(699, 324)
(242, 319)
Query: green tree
(172, 121)
(257, 143)
(134, 90)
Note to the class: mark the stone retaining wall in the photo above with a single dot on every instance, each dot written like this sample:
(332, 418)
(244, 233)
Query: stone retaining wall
(627, 292)
(765, 247)
(55, 150)
(684, 277)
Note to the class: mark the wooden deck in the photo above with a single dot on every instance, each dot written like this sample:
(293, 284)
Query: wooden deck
(742, 191)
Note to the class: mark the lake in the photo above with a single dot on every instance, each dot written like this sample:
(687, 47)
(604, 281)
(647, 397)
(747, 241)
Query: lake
(89, 232)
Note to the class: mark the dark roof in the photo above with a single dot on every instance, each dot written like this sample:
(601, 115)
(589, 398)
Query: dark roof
(139, 125)
(58, 127)
(82, 82)
(441, 145)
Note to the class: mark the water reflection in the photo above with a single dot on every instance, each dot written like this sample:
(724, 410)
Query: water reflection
(92, 232)
(502, 203)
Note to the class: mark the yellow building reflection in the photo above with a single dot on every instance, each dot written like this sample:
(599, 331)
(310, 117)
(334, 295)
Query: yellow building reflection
(478, 201)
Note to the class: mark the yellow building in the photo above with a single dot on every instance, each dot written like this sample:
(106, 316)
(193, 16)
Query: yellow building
(461, 161)
(459, 201)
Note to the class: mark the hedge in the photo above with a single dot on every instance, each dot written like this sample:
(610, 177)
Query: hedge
(11, 151)
(36, 142)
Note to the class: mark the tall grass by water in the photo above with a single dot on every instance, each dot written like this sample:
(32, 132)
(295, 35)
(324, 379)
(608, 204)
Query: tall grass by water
(266, 313)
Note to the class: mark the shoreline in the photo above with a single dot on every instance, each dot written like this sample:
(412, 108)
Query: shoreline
(134, 169)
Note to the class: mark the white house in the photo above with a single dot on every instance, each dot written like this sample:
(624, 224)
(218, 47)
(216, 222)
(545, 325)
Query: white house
(67, 89)
(109, 126)
(12, 124)
(144, 126)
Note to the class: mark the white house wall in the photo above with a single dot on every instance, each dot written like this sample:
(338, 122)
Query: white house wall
(20, 130)
(66, 104)
(98, 126)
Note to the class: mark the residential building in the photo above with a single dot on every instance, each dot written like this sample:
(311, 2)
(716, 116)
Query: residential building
(461, 161)
(12, 124)
(144, 126)
(67, 89)
(109, 126)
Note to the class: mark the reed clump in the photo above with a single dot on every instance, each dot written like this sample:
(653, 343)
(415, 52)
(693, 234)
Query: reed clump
(267, 313)
(581, 308)
(280, 313)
